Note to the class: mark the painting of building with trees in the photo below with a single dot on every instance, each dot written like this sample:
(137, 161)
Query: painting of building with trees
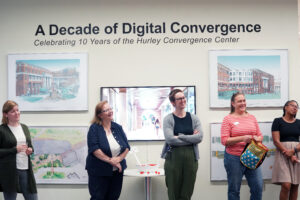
(45, 82)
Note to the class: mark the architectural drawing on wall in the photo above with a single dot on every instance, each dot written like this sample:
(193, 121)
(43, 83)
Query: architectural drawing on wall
(217, 170)
(43, 82)
(59, 154)
(262, 75)
(140, 110)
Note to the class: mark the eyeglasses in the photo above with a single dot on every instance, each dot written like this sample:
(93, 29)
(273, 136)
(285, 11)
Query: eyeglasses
(180, 99)
(107, 110)
(294, 106)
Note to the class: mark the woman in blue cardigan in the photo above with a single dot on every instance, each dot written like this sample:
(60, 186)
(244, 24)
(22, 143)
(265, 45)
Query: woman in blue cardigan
(107, 149)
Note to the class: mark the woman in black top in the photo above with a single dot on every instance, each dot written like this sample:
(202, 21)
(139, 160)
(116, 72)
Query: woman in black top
(183, 132)
(286, 169)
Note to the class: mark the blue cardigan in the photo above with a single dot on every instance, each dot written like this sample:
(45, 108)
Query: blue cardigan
(97, 139)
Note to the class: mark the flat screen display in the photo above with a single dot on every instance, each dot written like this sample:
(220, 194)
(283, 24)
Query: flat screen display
(140, 110)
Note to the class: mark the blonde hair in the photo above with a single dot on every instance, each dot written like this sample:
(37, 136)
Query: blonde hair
(7, 106)
(98, 110)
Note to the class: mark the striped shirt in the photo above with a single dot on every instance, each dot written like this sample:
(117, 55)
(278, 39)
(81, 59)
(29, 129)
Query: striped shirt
(233, 126)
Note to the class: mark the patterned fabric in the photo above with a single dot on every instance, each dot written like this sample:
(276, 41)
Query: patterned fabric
(253, 155)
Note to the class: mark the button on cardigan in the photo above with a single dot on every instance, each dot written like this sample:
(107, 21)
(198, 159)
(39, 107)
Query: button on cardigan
(97, 139)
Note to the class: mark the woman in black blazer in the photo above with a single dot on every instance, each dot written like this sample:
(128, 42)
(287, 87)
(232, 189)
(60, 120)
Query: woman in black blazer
(107, 149)
(16, 175)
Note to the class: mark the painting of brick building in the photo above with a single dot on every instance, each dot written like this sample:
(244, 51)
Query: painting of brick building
(248, 81)
(259, 74)
(36, 83)
(48, 82)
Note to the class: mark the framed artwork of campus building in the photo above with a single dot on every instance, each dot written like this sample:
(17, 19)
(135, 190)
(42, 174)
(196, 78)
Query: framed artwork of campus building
(48, 82)
(262, 75)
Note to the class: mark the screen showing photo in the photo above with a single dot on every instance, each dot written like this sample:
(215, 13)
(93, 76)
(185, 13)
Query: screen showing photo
(140, 110)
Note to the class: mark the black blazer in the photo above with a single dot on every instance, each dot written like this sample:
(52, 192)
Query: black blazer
(8, 167)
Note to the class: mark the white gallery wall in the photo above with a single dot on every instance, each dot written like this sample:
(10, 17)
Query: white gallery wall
(149, 65)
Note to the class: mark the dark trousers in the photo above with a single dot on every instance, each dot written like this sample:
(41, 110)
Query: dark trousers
(106, 187)
(23, 181)
(180, 172)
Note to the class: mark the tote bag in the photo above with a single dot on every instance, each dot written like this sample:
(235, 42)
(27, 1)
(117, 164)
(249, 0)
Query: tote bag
(253, 155)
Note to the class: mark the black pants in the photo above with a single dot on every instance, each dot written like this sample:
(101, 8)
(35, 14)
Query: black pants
(106, 187)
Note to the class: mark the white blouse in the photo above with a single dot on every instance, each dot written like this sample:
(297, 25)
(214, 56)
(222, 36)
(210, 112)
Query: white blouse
(22, 158)
(114, 147)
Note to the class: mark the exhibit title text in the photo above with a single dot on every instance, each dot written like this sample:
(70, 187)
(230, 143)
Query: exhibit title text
(147, 28)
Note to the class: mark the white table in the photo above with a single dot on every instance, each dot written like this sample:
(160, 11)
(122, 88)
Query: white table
(148, 186)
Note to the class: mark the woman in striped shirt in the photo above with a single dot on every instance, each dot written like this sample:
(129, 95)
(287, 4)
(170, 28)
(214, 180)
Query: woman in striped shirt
(238, 129)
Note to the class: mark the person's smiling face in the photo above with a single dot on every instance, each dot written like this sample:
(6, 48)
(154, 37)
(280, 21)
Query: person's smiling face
(180, 101)
(106, 113)
(239, 104)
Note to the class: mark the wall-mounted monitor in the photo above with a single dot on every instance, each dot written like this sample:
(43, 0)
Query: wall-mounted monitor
(140, 110)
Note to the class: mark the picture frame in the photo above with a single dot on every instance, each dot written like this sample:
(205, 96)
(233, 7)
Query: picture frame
(217, 150)
(262, 75)
(141, 109)
(59, 155)
(48, 82)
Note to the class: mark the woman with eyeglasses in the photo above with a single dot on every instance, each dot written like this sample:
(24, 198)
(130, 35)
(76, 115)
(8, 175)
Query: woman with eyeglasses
(183, 132)
(286, 169)
(107, 149)
(237, 130)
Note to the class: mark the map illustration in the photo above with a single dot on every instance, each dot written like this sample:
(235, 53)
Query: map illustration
(59, 154)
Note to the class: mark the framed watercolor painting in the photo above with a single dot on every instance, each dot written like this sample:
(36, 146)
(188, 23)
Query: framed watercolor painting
(48, 82)
(59, 154)
(262, 75)
(140, 110)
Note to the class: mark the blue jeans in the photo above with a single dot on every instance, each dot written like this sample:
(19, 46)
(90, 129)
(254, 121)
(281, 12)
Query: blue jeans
(23, 179)
(235, 172)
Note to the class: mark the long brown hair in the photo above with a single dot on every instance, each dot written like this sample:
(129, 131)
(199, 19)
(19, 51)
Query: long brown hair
(7, 106)
(232, 109)
(98, 110)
